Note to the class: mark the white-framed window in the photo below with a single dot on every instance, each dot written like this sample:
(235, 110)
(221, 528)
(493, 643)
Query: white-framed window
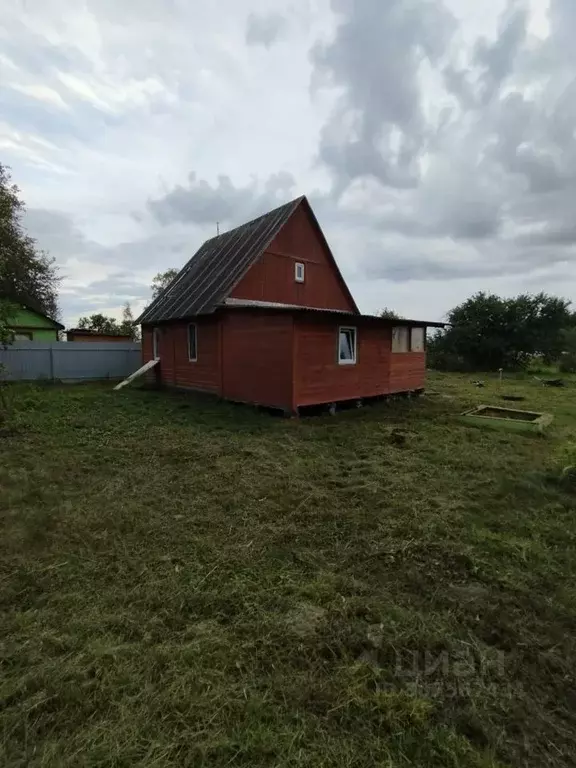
(417, 339)
(156, 343)
(192, 342)
(401, 339)
(22, 336)
(346, 346)
(299, 272)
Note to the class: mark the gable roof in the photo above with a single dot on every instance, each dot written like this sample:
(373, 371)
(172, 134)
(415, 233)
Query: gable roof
(19, 305)
(207, 279)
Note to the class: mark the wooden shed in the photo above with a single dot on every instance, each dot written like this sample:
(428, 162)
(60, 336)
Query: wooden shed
(262, 314)
(96, 337)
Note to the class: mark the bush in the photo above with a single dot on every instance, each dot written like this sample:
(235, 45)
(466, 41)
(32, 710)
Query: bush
(567, 363)
(441, 357)
(442, 360)
(486, 333)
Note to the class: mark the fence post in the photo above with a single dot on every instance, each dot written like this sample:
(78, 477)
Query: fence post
(51, 362)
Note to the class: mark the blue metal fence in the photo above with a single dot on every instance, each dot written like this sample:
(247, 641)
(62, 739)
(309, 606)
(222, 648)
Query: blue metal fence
(68, 360)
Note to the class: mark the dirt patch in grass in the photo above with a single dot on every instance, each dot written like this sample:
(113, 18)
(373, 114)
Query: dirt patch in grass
(208, 585)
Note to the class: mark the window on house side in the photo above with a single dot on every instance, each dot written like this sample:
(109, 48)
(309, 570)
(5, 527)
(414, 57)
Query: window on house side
(417, 339)
(22, 336)
(400, 339)
(347, 346)
(299, 272)
(192, 343)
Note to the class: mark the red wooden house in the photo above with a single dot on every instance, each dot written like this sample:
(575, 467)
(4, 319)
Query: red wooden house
(261, 314)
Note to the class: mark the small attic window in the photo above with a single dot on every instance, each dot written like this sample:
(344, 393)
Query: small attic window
(299, 272)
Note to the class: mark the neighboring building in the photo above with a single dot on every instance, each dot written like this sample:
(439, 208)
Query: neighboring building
(83, 334)
(29, 325)
(261, 314)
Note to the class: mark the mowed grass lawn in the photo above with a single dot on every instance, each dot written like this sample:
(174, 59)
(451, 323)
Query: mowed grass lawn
(186, 582)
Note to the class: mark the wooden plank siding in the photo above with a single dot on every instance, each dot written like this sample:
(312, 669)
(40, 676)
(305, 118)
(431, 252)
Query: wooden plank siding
(271, 278)
(175, 368)
(321, 379)
(407, 371)
(282, 360)
(257, 358)
(146, 343)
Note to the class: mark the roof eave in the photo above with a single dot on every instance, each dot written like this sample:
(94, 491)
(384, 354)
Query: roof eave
(239, 304)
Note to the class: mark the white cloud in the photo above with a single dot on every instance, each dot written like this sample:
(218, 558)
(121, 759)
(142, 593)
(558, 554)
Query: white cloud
(42, 93)
(113, 97)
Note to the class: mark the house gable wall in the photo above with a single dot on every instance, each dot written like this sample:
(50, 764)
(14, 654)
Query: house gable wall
(272, 277)
(27, 318)
(39, 327)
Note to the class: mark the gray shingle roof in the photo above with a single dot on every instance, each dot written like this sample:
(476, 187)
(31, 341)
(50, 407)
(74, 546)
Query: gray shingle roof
(207, 279)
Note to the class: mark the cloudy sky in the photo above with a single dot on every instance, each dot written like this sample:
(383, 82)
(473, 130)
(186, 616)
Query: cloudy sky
(435, 140)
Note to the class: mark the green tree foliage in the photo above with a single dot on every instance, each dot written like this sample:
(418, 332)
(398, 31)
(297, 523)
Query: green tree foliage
(389, 314)
(103, 324)
(487, 332)
(162, 280)
(100, 324)
(27, 275)
(567, 361)
(128, 326)
(7, 311)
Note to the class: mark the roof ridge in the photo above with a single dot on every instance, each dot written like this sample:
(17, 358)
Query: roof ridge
(247, 224)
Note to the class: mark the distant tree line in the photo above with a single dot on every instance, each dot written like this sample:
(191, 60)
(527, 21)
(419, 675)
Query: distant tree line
(109, 325)
(487, 332)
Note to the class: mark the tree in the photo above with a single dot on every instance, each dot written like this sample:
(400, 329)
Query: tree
(389, 314)
(100, 324)
(7, 311)
(162, 280)
(27, 275)
(109, 325)
(128, 326)
(487, 332)
(567, 360)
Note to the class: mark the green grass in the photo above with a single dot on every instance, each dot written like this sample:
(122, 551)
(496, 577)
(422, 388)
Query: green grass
(191, 583)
